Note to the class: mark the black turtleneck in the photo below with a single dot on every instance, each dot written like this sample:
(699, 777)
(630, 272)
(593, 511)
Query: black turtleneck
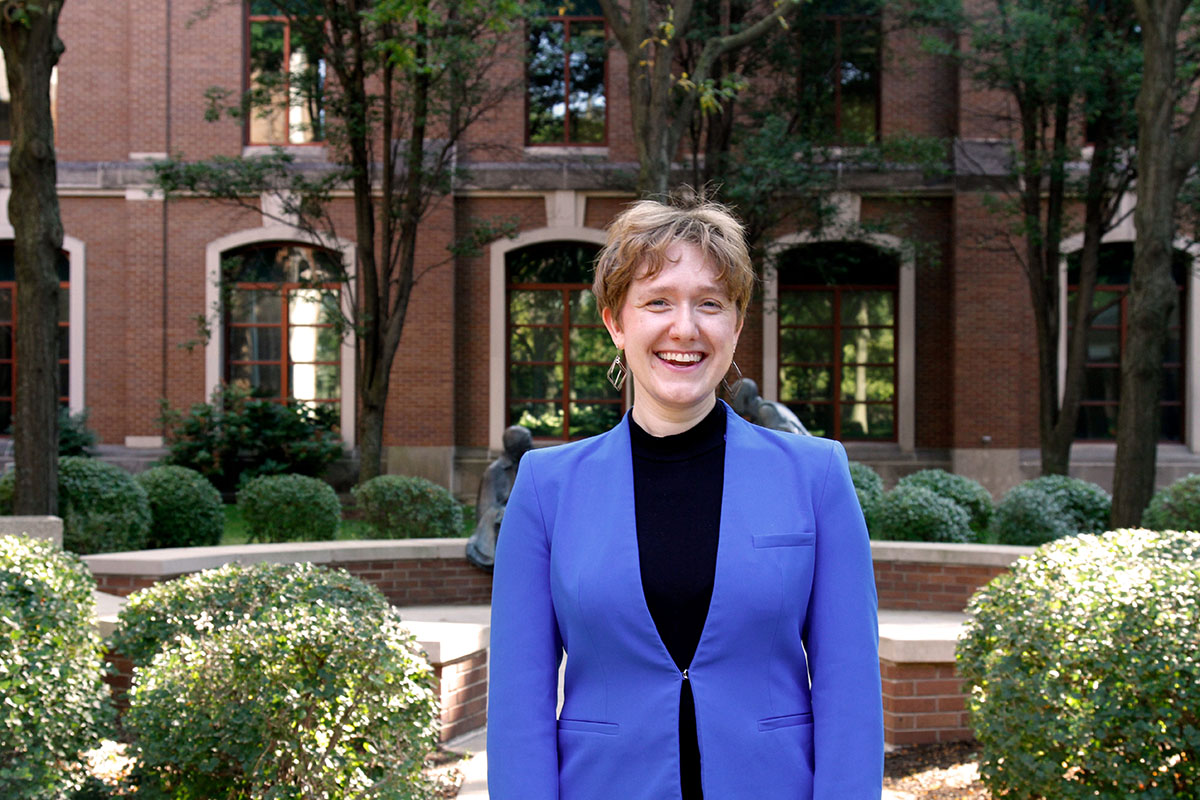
(677, 484)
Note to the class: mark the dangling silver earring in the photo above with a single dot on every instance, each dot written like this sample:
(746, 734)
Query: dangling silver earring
(617, 372)
(725, 380)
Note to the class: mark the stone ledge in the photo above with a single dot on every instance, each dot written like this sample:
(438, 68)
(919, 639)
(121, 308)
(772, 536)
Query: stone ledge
(34, 527)
(919, 637)
(982, 555)
(447, 642)
(182, 560)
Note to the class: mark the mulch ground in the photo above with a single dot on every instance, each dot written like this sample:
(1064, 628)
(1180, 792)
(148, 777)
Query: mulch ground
(945, 771)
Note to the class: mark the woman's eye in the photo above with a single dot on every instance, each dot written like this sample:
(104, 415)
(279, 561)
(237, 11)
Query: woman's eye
(712, 305)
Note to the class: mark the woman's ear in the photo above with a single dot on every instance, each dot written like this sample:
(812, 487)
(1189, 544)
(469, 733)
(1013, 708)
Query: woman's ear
(614, 327)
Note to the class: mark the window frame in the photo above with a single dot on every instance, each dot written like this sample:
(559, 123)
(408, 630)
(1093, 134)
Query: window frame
(567, 19)
(838, 139)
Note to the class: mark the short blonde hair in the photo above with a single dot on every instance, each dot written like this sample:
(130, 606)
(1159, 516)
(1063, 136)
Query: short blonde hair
(641, 234)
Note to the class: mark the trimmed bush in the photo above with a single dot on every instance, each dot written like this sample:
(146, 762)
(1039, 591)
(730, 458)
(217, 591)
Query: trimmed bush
(103, 508)
(185, 509)
(1081, 669)
(75, 438)
(969, 494)
(867, 485)
(54, 703)
(288, 508)
(7, 484)
(281, 681)
(407, 507)
(1029, 516)
(1175, 507)
(913, 513)
(217, 598)
(1088, 505)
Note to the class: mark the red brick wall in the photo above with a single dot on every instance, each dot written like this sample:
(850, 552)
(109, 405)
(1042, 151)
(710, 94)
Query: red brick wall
(923, 703)
(462, 690)
(906, 585)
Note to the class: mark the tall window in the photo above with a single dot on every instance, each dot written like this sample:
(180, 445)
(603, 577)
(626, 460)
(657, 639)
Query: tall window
(837, 339)
(8, 331)
(837, 47)
(566, 76)
(558, 349)
(1106, 338)
(282, 338)
(285, 76)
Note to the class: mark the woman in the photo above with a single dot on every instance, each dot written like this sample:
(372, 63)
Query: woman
(710, 580)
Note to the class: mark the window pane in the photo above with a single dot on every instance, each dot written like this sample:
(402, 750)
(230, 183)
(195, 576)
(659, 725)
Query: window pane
(302, 344)
(6, 417)
(584, 310)
(589, 383)
(329, 345)
(64, 342)
(6, 342)
(586, 64)
(1172, 390)
(817, 417)
(866, 421)
(535, 344)
(859, 80)
(312, 307)
(262, 379)
(6, 301)
(590, 419)
(64, 304)
(64, 379)
(1172, 423)
(1104, 346)
(542, 419)
(5, 109)
(255, 305)
(1174, 352)
(306, 109)
(868, 308)
(806, 344)
(806, 383)
(254, 344)
(868, 346)
(552, 262)
(592, 344)
(1101, 383)
(868, 383)
(6, 380)
(806, 308)
(314, 381)
(1111, 303)
(533, 307)
(535, 382)
(1097, 422)
(545, 79)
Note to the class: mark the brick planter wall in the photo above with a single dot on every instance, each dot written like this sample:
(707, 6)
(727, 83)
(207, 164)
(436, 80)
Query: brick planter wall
(923, 703)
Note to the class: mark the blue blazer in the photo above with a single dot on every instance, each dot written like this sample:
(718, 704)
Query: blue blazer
(786, 674)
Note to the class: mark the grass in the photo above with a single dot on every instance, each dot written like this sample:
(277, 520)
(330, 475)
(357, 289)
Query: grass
(236, 531)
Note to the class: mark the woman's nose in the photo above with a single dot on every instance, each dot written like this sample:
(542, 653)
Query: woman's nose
(683, 324)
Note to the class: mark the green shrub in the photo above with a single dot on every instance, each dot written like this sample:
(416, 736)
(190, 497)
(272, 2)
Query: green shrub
(217, 598)
(7, 483)
(867, 485)
(236, 435)
(75, 438)
(1175, 507)
(1088, 505)
(1029, 516)
(1081, 669)
(969, 494)
(288, 508)
(913, 513)
(53, 703)
(103, 508)
(405, 507)
(276, 681)
(185, 509)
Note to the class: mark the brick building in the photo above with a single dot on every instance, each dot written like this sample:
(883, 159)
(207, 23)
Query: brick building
(921, 354)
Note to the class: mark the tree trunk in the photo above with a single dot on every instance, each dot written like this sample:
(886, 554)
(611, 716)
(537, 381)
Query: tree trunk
(1151, 290)
(31, 49)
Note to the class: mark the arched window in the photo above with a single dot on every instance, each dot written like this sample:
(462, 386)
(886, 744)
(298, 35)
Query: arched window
(1106, 337)
(838, 338)
(558, 349)
(8, 331)
(281, 321)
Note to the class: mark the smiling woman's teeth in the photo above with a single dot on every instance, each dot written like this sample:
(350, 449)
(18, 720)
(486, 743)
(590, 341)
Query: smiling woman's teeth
(680, 358)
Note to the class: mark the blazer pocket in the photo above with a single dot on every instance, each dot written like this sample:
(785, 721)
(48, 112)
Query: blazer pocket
(807, 539)
(786, 721)
(606, 728)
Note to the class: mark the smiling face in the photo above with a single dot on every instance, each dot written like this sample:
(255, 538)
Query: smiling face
(678, 329)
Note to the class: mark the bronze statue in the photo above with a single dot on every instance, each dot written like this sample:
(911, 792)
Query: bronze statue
(767, 413)
(494, 488)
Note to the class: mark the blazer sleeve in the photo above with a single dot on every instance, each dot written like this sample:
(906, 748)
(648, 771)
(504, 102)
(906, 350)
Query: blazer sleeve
(841, 639)
(526, 648)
